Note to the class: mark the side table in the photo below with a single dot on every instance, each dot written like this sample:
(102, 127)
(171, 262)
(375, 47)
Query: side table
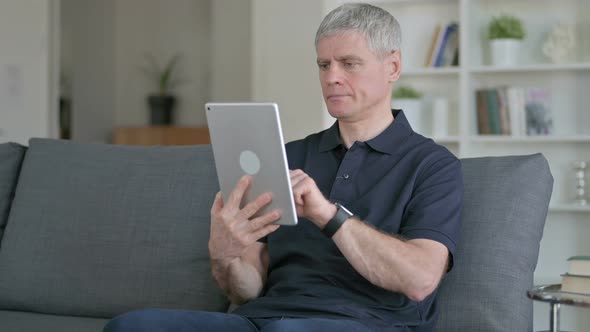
(555, 297)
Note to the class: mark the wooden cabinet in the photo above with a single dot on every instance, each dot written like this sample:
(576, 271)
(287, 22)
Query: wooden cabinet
(161, 135)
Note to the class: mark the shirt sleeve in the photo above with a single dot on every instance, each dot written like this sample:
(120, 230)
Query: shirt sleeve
(434, 209)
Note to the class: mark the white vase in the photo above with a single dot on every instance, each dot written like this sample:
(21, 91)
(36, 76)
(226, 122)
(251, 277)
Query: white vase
(412, 110)
(440, 117)
(505, 52)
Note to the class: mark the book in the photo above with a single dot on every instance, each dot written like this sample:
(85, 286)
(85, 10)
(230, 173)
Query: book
(483, 125)
(503, 111)
(515, 96)
(572, 283)
(579, 265)
(433, 43)
(439, 39)
(539, 120)
(455, 61)
(449, 47)
(493, 111)
(444, 45)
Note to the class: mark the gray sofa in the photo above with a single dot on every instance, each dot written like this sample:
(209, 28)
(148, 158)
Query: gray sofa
(89, 231)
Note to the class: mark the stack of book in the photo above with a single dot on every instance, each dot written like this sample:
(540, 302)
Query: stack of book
(577, 279)
(514, 111)
(444, 48)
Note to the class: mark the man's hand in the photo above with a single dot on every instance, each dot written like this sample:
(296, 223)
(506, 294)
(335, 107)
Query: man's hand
(233, 230)
(309, 200)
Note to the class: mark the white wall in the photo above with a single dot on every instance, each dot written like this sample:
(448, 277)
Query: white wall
(27, 99)
(262, 53)
(284, 62)
(88, 59)
(163, 28)
(104, 47)
(231, 50)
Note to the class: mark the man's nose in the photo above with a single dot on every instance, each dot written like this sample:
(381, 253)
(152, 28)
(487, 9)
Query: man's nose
(333, 75)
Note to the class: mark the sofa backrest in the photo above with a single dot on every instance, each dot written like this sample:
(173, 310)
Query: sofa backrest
(505, 207)
(97, 230)
(11, 156)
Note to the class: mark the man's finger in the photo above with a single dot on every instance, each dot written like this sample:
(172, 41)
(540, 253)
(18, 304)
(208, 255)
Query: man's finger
(265, 231)
(264, 220)
(253, 207)
(217, 203)
(235, 197)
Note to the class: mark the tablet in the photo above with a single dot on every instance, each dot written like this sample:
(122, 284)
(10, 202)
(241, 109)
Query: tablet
(247, 139)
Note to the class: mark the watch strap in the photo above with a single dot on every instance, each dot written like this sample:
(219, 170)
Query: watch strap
(342, 215)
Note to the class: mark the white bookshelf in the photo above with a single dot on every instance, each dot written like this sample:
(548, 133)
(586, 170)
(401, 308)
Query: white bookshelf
(568, 225)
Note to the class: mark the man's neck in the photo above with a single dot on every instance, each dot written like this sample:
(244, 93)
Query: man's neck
(364, 129)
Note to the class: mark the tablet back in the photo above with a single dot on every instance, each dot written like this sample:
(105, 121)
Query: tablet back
(247, 139)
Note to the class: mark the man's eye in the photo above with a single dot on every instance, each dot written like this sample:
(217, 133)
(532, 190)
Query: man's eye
(350, 65)
(323, 66)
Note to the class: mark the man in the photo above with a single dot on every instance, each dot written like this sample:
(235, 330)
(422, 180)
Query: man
(376, 270)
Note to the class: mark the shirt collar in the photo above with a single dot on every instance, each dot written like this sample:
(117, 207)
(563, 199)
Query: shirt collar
(386, 142)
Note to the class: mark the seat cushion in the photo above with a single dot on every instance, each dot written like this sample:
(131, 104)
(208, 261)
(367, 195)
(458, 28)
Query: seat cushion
(505, 206)
(11, 156)
(97, 230)
(15, 321)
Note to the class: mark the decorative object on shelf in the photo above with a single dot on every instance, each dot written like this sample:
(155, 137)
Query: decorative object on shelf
(539, 120)
(560, 43)
(409, 100)
(506, 33)
(162, 102)
(580, 176)
(440, 117)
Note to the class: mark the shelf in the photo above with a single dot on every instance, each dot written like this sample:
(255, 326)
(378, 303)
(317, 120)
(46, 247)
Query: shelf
(530, 139)
(569, 208)
(431, 71)
(530, 68)
(410, 2)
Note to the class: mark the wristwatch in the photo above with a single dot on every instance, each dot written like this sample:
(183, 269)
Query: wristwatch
(342, 215)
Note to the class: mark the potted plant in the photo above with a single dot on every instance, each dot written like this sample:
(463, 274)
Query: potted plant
(409, 100)
(505, 33)
(162, 102)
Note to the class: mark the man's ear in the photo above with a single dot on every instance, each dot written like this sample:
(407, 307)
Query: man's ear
(394, 65)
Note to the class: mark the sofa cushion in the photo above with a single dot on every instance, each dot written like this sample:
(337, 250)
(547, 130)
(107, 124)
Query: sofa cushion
(16, 321)
(97, 230)
(506, 201)
(11, 156)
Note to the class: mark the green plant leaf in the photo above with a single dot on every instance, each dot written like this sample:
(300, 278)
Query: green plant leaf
(166, 77)
(506, 26)
(404, 91)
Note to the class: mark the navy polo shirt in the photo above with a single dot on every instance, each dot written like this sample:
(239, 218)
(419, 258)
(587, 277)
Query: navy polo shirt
(401, 183)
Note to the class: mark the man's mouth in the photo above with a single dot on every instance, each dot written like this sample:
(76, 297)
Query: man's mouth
(337, 96)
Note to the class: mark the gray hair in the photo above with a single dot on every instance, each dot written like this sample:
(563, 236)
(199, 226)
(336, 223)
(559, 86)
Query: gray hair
(380, 29)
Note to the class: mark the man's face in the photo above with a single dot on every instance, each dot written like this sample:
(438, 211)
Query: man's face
(355, 82)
